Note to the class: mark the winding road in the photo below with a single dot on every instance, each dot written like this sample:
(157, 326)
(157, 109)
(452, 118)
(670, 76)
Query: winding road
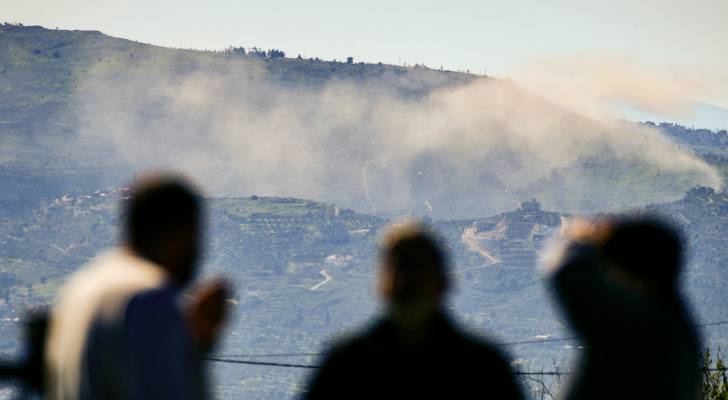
(327, 279)
(468, 237)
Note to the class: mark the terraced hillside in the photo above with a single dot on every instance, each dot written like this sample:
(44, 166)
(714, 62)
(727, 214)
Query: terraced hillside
(703, 214)
(304, 271)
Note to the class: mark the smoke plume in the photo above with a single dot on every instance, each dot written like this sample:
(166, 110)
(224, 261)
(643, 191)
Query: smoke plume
(455, 150)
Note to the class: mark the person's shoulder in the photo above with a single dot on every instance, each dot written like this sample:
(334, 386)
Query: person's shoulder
(358, 343)
(479, 347)
(88, 275)
(111, 274)
(478, 343)
(86, 288)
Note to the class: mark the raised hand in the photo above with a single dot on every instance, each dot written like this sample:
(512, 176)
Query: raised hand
(207, 312)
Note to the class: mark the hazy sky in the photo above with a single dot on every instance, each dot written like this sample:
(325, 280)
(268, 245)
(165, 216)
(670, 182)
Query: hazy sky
(677, 40)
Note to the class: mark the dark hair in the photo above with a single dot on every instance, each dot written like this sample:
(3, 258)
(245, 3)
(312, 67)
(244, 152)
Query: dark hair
(648, 248)
(411, 248)
(158, 206)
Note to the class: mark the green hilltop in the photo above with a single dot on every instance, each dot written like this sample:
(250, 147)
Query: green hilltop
(40, 66)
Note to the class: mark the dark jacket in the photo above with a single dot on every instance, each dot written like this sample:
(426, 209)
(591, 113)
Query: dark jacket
(449, 365)
(636, 346)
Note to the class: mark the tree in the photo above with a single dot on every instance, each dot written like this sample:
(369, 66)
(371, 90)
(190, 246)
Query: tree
(256, 52)
(714, 383)
(238, 51)
(350, 60)
(274, 53)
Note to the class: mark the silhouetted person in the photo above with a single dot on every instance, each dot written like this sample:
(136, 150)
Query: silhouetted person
(414, 351)
(617, 282)
(117, 330)
(27, 371)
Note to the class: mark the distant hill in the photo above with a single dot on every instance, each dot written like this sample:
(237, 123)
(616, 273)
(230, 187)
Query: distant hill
(41, 69)
(696, 114)
(84, 110)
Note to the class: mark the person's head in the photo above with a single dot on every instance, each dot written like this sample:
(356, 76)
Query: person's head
(163, 220)
(647, 251)
(413, 270)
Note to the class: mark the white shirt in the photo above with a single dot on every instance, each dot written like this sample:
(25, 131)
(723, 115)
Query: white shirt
(116, 333)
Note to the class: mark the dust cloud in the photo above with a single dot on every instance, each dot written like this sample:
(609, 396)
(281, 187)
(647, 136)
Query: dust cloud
(458, 150)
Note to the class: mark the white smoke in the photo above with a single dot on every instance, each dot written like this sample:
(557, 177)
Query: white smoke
(601, 84)
(462, 149)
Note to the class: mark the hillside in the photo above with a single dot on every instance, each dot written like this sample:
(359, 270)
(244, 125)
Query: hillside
(82, 110)
(304, 271)
(42, 70)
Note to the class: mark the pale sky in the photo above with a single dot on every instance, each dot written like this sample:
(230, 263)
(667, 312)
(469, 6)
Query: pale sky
(679, 40)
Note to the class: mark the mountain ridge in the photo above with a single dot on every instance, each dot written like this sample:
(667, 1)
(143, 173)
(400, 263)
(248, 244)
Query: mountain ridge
(86, 110)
